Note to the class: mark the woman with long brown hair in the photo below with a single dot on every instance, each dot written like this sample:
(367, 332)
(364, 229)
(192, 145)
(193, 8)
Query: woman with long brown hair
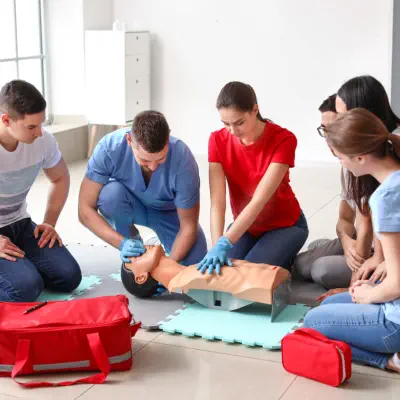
(253, 156)
(368, 316)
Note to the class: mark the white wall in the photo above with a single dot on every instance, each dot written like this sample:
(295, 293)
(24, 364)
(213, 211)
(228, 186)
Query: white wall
(66, 21)
(64, 31)
(294, 53)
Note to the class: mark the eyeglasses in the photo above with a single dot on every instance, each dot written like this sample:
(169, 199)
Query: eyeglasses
(321, 130)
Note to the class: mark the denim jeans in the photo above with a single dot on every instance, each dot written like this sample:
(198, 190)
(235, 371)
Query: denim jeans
(121, 208)
(372, 337)
(23, 280)
(277, 247)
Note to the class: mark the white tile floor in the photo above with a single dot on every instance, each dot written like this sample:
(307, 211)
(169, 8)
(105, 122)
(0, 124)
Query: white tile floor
(175, 367)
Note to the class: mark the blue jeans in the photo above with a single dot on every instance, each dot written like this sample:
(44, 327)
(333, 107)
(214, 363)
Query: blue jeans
(277, 247)
(122, 209)
(23, 280)
(372, 337)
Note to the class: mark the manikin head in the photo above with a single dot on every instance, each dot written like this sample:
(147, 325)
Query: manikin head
(136, 276)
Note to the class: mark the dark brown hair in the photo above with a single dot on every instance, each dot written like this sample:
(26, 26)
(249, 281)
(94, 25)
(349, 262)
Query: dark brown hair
(150, 130)
(19, 98)
(240, 96)
(358, 132)
(328, 104)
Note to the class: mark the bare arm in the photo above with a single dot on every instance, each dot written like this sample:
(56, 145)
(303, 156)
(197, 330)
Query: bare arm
(378, 251)
(187, 235)
(218, 200)
(88, 215)
(389, 289)
(265, 189)
(365, 235)
(59, 189)
(345, 226)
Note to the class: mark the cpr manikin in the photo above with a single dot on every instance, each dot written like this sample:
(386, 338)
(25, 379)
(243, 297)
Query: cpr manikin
(235, 287)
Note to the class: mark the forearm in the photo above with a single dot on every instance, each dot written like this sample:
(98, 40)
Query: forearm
(364, 243)
(57, 197)
(378, 251)
(244, 221)
(217, 222)
(386, 291)
(90, 218)
(345, 229)
(184, 241)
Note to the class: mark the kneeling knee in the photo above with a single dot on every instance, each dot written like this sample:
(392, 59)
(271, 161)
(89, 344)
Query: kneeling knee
(110, 197)
(72, 279)
(26, 290)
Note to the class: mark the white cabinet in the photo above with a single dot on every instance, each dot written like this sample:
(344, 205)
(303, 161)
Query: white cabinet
(117, 76)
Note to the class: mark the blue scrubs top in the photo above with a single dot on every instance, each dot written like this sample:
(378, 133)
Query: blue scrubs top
(174, 184)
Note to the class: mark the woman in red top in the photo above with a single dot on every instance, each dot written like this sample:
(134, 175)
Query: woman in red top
(254, 156)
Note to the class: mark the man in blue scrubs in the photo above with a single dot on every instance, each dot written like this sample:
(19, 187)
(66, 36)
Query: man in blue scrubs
(144, 176)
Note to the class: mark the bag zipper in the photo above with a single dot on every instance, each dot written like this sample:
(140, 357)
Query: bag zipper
(341, 354)
(66, 327)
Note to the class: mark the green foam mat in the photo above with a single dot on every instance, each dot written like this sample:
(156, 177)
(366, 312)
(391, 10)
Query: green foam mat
(250, 325)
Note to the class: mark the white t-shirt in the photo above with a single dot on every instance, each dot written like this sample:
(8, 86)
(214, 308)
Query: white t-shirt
(18, 171)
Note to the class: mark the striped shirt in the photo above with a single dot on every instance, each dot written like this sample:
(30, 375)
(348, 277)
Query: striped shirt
(18, 171)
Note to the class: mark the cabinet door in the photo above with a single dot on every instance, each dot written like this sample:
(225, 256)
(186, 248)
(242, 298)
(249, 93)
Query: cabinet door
(137, 94)
(137, 64)
(137, 43)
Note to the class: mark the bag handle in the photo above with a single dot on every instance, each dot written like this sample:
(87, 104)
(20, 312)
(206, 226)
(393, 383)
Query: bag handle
(96, 347)
(313, 333)
(135, 327)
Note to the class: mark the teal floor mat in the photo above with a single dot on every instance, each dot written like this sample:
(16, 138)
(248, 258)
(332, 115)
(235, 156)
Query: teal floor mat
(250, 326)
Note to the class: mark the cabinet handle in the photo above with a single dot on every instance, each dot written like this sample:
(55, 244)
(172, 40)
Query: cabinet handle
(137, 81)
(137, 102)
(137, 37)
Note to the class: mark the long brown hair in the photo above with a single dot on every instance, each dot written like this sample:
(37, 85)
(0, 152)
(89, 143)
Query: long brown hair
(358, 132)
(240, 96)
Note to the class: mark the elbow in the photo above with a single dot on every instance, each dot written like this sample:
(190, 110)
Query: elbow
(83, 215)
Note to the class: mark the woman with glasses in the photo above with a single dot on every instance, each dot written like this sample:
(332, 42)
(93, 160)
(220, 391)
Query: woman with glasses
(333, 263)
(253, 155)
(368, 316)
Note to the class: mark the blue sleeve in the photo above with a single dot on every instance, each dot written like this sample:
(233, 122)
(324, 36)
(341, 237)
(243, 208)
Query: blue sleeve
(100, 166)
(385, 208)
(187, 184)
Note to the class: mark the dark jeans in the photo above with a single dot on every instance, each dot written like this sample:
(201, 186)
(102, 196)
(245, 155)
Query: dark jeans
(23, 280)
(277, 247)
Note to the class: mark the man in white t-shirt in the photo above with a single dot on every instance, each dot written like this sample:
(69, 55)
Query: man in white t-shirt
(32, 257)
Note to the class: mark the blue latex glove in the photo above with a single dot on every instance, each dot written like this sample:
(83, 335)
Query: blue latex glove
(216, 257)
(160, 289)
(131, 248)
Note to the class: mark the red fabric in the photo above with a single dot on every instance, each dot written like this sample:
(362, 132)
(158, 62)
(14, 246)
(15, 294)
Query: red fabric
(244, 167)
(67, 332)
(309, 354)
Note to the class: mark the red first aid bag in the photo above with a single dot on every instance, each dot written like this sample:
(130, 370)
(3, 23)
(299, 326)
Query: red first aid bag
(310, 354)
(76, 335)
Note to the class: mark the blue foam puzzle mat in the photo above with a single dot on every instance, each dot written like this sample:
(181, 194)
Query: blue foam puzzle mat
(87, 283)
(250, 326)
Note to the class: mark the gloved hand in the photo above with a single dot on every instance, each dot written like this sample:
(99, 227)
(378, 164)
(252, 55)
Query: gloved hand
(216, 257)
(160, 289)
(131, 248)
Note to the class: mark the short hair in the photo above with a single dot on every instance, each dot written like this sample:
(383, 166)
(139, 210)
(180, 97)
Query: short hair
(19, 98)
(150, 130)
(328, 104)
(142, 290)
